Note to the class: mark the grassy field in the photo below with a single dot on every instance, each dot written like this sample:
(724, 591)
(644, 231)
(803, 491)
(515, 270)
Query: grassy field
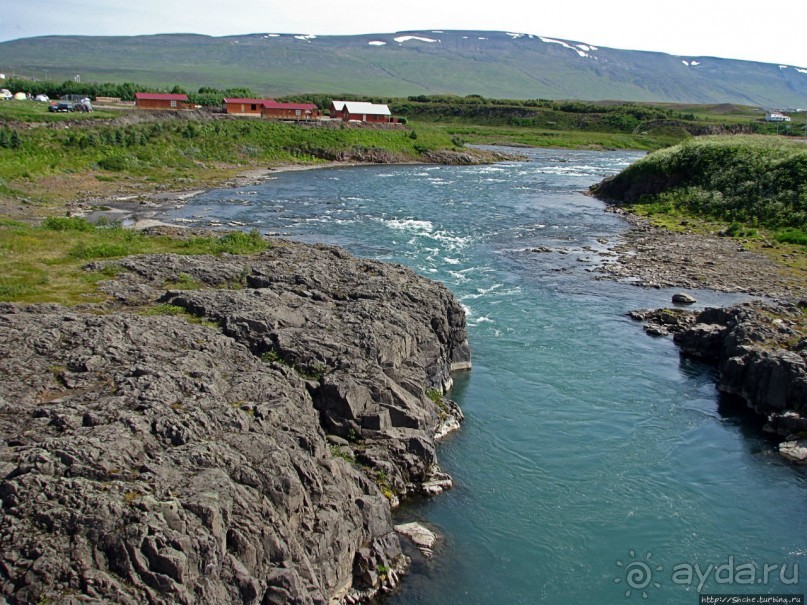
(35, 111)
(567, 139)
(46, 263)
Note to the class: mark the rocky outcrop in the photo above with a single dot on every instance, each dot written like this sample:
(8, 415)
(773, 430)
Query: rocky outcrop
(761, 355)
(241, 442)
(760, 352)
(663, 322)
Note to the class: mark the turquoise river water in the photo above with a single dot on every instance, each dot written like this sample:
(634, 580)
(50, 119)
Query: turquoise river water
(595, 465)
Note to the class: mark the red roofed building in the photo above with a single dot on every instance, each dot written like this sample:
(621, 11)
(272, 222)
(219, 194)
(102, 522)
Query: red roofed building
(152, 100)
(244, 106)
(290, 111)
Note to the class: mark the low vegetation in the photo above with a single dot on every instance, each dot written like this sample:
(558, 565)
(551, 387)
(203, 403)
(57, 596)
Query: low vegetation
(47, 263)
(753, 186)
(182, 151)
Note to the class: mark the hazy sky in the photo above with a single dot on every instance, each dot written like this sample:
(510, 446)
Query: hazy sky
(774, 32)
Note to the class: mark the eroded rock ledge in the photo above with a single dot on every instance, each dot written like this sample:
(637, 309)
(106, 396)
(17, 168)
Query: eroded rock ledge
(247, 452)
(760, 351)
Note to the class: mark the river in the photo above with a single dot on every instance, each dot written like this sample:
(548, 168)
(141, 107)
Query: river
(595, 466)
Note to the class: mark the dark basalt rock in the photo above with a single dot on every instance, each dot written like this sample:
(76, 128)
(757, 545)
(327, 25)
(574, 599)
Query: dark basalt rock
(752, 347)
(153, 459)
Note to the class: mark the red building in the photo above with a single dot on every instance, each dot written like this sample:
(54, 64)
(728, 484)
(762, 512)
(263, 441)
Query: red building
(360, 111)
(244, 106)
(152, 100)
(289, 111)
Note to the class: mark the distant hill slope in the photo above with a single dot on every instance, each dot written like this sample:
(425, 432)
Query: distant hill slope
(492, 64)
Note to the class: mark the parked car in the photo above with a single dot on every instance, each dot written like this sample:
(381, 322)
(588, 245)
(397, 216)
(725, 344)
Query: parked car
(62, 107)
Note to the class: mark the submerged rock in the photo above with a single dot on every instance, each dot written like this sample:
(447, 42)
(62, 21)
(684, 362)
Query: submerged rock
(242, 448)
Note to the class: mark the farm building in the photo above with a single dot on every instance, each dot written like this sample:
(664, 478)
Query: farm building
(244, 106)
(290, 111)
(360, 111)
(776, 116)
(269, 108)
(151, 100)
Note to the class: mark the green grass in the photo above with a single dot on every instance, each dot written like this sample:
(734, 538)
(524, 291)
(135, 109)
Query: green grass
(45, 264)
(183, 151)
(751, 181)
(751, 188)
(532, 137)
(36, 111)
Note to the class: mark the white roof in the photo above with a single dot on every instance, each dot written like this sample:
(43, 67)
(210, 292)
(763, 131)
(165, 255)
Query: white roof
(356, 107)
(338, 105)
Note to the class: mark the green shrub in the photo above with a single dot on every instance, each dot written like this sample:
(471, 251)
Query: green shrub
(114, 163)
(99, 250)
(791, 236)
(67, 223)
(239, 242)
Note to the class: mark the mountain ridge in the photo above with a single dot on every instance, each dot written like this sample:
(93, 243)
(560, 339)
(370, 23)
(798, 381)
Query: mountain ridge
(462, 62)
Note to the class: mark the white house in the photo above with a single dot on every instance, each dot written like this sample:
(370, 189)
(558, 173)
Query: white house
(776, 116)
(360, 111)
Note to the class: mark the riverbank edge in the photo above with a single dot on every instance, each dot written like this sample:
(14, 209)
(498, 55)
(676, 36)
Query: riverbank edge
(759, 348)
(112, 204)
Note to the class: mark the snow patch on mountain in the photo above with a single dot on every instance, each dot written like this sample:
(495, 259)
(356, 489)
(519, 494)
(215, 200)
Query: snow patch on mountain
(579, 51)
(377, 43)
(402, 39)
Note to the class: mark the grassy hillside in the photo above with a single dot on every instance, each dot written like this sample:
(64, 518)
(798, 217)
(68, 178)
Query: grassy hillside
(749, 182)
(493, 64)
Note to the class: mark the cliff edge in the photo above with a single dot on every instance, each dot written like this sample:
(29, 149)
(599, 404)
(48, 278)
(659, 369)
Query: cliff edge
(230, 430)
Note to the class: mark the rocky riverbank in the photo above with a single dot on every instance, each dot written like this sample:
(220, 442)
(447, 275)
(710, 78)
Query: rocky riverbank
(760, 352)
(655, 257)
(759, 348)
(225, 430)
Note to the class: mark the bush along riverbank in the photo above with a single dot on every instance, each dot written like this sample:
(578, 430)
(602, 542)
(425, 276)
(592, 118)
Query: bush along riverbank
(227, 427)
(692, 200)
